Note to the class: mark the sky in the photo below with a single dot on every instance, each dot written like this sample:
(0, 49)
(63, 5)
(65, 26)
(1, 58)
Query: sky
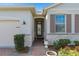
(38, 6)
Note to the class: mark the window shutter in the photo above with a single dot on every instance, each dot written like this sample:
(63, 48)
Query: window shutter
(52, 24)
(68, 23)
(77, 23)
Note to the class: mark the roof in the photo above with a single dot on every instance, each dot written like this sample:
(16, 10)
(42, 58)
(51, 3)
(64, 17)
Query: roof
(49, 7)
(31, 8)
(16, 8)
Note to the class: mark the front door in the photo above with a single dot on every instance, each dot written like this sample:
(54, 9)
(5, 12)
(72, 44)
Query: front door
(39, 29)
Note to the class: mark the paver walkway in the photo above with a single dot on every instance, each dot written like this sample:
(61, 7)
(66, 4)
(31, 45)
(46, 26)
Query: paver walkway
(38, 48)
(12, 52)
(6, 51)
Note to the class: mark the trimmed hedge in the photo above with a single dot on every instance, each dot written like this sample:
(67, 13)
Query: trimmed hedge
(19, 42)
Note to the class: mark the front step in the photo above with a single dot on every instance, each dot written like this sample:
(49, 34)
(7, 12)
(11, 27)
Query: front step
(39, 37)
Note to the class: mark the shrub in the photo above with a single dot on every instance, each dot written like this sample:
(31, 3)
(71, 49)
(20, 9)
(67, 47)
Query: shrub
(56, 45)
(68, 52)
(64, 42)
(61, 43)
(76, 42)
(19, 42)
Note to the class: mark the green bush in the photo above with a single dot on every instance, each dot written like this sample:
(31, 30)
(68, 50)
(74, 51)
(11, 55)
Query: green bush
(64, 42)
(19, 42)
(61, 43)
(76, 42)
(68, 52)
(56, 45)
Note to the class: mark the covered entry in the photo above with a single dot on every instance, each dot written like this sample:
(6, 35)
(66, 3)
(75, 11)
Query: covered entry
(39, 28)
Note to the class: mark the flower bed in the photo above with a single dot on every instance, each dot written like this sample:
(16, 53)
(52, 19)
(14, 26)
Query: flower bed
(68, 51)
(63, 47)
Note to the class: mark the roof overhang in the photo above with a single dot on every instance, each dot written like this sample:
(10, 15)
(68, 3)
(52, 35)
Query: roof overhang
(32, 9)
(49, 7)
(39, 16)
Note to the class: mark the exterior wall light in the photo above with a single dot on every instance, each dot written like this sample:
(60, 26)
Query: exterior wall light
(24, 22)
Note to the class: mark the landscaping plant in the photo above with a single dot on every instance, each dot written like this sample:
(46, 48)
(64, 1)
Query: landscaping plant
(68, 52)
(76, 43)
(64, 42)
(60, 43)
(19, 42)
(56, 45)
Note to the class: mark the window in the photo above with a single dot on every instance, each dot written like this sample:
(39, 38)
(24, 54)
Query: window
(39, 28)
(60, 23)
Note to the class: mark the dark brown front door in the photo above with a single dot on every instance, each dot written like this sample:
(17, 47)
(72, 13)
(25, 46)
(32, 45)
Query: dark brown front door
(39, 29)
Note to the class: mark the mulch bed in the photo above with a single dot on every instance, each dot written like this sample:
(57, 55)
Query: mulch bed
(50, 47)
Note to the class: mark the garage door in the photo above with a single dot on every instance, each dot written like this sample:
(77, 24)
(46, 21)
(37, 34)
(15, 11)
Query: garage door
(7, 31)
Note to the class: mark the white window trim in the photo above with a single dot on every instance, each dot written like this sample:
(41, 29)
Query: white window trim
(73, 23)
(61, 23)
(65, 24)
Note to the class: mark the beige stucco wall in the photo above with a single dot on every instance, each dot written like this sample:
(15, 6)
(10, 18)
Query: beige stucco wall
(23, 29)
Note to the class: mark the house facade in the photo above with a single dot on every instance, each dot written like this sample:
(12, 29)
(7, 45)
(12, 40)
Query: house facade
(62, 22)
(58, 21)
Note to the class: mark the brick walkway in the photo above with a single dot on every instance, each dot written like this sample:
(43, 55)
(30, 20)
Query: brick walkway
(38, 48)
(6, 51)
